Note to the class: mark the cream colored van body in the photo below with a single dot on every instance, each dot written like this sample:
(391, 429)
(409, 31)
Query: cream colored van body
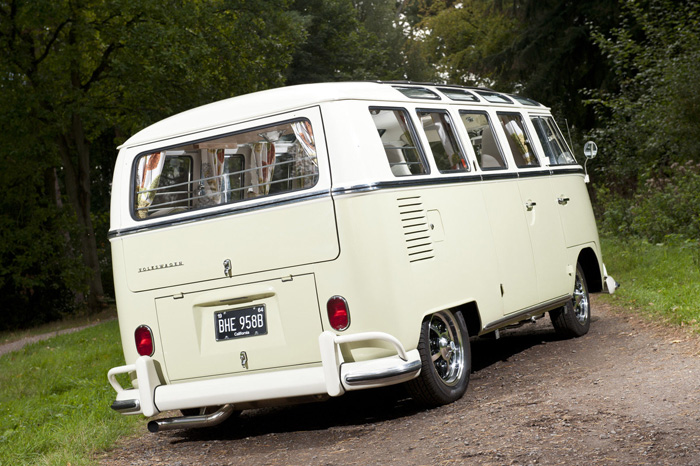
(418, 211)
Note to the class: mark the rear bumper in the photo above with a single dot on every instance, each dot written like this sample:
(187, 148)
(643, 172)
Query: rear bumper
(333, 377)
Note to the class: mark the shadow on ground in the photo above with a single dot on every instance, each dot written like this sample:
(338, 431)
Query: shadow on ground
(363, 407)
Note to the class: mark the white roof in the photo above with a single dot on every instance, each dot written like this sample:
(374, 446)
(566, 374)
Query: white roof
(257, 104)
(268, 102)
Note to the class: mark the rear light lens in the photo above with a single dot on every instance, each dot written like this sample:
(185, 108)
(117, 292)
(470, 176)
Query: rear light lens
(338, 313)
(144, 340)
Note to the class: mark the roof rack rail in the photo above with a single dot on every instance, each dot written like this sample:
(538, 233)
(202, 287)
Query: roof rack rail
(421, 83)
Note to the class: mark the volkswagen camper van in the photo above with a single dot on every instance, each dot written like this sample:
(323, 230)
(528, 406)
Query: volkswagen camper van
(298, 243)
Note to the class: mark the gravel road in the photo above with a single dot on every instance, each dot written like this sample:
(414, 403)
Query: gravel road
(627, 393)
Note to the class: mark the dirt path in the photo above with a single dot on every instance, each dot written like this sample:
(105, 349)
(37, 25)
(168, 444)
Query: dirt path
(626, 393)
(19, 344)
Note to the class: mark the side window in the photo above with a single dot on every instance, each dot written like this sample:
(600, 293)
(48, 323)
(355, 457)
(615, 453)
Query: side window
(261, 162)
(553, 143)
(448, 153)
(488, 153)
(399, 141)
(518, 140)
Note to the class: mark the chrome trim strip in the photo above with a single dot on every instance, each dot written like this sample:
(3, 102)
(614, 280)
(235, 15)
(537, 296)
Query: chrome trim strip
(534, 172)
(235, 209)
(383, 376)
(429, 181)
(567, 171)
(489, 176)
(530, 311)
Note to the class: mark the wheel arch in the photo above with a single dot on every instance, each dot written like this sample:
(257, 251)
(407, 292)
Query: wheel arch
(591, 269)
(470, 313)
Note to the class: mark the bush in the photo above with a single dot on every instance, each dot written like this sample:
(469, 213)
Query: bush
(649, 172)
(665, 207)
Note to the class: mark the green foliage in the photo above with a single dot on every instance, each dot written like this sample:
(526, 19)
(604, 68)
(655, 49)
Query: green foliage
(76, 77)
(648, 179)
(661, 280)
(345, 42)
(54, 399)
(651, 122)
(541, 49)
(461, 41)
(40, 273)
(666, 207)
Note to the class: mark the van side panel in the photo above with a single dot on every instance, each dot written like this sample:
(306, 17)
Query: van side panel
(547, 237)
(510, 233)
(419, 251)
(577, 217)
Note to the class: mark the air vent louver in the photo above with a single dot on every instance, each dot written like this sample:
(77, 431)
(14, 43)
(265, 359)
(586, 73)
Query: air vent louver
(416, 229)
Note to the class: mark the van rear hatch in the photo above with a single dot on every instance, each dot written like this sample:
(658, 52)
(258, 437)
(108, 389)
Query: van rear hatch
(243, 328)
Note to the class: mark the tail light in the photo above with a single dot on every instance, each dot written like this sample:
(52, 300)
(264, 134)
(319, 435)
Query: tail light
(338, 313)
(144, 340)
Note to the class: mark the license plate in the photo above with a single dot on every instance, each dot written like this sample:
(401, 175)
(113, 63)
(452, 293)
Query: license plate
(240, 323)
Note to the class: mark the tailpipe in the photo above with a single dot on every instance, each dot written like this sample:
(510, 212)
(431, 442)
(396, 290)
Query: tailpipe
(189, 422)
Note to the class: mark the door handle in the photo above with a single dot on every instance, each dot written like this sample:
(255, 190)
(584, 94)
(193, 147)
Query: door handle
(563, 200)
(529, 205)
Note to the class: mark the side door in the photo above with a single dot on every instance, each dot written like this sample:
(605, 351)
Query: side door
(509, 226)
(574, 204)
(541, 210)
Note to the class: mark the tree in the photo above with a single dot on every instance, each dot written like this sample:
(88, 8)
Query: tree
(651, 121)
(347, 41)
(461, 40)
(649, 174)
(73, 71)
(541, 49)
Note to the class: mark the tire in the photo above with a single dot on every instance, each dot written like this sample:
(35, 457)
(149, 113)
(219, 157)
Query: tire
(574, 319)
(445, 360)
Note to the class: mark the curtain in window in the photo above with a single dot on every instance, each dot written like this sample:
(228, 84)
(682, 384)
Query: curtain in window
(262, 160)
(444, 130)
(149, 169)
(305, 164)
(212, 181)
(517, 137)
(305, 136)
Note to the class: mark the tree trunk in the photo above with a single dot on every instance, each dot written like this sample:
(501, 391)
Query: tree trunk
(53, 189)
(77, 178)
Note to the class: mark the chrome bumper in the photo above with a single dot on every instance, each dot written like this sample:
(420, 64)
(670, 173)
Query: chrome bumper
(333, 377)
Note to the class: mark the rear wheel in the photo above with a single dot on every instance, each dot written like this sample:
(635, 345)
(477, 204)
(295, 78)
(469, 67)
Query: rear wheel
(574, 319)
(446, 360)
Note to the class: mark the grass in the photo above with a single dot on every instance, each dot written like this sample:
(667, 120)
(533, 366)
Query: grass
(54, 399)
(661, 281)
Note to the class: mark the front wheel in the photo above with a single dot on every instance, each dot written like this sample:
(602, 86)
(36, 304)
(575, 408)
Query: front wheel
(574, 319)
(446, 360)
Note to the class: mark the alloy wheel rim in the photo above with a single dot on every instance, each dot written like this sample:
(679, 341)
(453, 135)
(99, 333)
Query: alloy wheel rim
(446, 348)
(580, 301)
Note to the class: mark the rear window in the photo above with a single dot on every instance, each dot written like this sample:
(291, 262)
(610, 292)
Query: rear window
(262, 162)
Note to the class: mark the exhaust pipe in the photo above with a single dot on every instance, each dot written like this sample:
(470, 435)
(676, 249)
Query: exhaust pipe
(185, 422)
